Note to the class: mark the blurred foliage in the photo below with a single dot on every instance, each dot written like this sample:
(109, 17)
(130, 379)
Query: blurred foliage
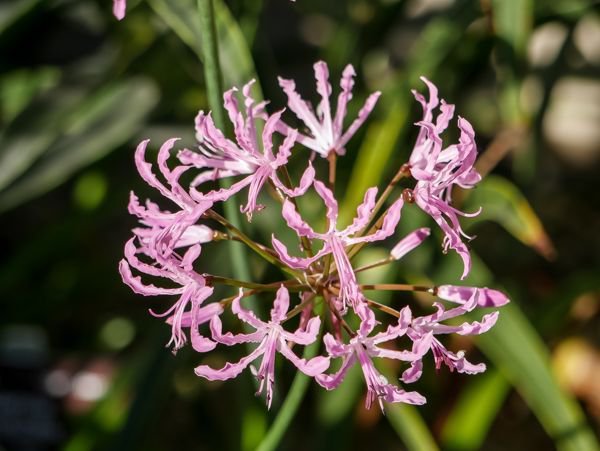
(78, 90)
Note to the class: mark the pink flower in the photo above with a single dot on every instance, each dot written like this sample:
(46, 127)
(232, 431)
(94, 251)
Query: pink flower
(221, 157)
(362, 348)
(192, 293)
(272, 338)
(326, 132)
(119, 7)
(335, 241)
(437, 170)
(423, 329)
(164, 230)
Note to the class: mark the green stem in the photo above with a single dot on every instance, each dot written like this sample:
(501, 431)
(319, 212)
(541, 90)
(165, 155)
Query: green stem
(290, 405)
(264, 252)
(212, 69)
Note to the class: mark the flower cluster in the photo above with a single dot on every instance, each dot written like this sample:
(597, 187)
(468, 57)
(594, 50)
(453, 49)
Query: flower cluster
(322, 300)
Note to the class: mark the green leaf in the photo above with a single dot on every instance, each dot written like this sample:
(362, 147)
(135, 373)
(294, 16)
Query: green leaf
(504, 204)
(11, 12)
(235, 58)
(409, 425)
(473, 414)
(97, 125)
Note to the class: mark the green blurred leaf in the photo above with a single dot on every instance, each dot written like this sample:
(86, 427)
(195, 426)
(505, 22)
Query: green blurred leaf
(97, 125)
(504, 204)
(475, 411)
(513, 21)
(236, 61)
(516, 349)
(12, 11)
(18, 88)
(409, 425)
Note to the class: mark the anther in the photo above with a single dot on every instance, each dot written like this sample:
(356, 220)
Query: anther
(408, 195)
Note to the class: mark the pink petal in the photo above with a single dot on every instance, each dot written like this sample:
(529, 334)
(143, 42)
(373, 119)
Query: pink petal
(363, 114)
(295, 221)
(332, 381)
(281, 305)
(324, 90)
(307, 335)
(476, 328)
(311, 367)
(246, 315)
(119, 7)
(409, 242)
(329, 200)
(135, 283)
(363, 212)
(346, 83)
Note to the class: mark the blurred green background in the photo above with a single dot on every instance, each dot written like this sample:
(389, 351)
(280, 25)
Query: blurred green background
(82, 364)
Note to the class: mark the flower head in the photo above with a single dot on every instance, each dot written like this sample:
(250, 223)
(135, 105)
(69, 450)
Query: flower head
(192, 292)
(272, 338)
(219, 157)
(437, 170)
(361, 348)
(335, 241)
(326, 130)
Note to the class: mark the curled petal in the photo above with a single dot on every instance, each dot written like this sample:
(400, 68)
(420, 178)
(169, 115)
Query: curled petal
(245, 315)
(363, 212)
(229, 339)
(135, 283)
(230, 370)
(295, 221)
(363, 114)
(281, 305)
(329, 199)
(487, 296)
(479, 327)
(311, 367)
(295, 262)
(332, 381)
(305, 336)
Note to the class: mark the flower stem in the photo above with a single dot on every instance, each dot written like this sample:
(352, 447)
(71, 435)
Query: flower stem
(384, 308)
(212, 68)
(397, 287)
(290, 284)
(383, 261)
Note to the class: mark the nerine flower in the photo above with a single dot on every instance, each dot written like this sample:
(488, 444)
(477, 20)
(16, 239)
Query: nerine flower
(437, 170)
(167, 243)
(219, 157)
(335, 241)
(272, 338)
(361, 348)
(422, 331)
(192, 292)
(326, 131)
(164, 230)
